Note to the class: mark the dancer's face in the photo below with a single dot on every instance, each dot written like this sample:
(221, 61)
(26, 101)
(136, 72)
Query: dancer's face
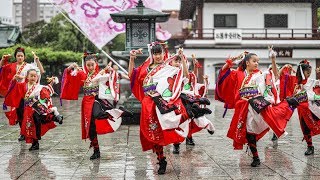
(91, 65)
(20, 57)
(307, 73)
(32, 77)
(176, 62)
(252, 63)
(157, 58)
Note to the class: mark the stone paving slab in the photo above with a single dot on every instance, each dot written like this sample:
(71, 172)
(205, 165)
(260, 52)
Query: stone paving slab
(63, 155)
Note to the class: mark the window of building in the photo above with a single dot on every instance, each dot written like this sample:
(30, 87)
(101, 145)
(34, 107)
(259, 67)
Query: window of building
(225, 20)
(276, 20)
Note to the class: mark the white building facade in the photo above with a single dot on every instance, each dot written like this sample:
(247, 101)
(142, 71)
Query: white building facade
(227, 28)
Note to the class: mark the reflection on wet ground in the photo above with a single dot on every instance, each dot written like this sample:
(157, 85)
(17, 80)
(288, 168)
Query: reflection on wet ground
(63, 155)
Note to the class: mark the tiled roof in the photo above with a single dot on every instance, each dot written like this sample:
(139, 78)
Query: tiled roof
(8, 35)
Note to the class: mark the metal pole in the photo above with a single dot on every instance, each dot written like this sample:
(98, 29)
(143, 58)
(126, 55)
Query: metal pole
(105, 53)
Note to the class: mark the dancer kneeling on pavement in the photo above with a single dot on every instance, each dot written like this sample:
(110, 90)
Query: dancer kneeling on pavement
(193, 97)
(98, 114)
(254, 99)
(157, 85)
(38, 113)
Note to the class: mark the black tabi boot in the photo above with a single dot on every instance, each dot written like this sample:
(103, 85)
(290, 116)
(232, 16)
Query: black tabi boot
(35, 146)
(176, 149)
(274, 138)
(255, 162)
(125, 113)
(189, 141)
(309, 151)
(95, 155)
(206, 111)
(210, 132)
(58, 119)
(21, 138)
(163, 166)
(204, 101)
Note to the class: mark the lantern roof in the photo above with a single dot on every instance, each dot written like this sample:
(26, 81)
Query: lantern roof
(140, 12)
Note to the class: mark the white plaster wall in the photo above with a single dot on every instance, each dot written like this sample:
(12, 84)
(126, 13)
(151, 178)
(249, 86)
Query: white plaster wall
(251, 15)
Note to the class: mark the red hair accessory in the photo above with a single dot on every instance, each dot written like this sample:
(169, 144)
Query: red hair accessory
(305, 61)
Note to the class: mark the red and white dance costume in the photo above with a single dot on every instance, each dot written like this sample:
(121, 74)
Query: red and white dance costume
(234, 88)
(287, 82)
(163, 117)
(38, 112)
(307, 93)
(7, 72)
(194, 92)
(98, 115)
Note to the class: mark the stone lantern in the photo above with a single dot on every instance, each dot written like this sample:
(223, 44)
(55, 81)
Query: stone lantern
(140, 26)
(140, 31)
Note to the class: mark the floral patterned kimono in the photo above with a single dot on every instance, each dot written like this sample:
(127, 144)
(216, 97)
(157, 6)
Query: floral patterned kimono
(37, 120)
(163, 116)
(93, 118)
(256, 103)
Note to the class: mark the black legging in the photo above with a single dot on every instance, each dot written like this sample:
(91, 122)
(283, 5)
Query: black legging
(252, 142)
(37, 122)
(20, 112)
(306, 132)
(98, 112)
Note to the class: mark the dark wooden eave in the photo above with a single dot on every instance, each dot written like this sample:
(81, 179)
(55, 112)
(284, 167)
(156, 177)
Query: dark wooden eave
(187, 9)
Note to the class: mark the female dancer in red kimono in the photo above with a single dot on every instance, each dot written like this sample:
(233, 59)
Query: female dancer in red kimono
(193, 95)
(18, 70)
(38, 113)
(250, 93)
(157, 85)
(287, 81)
(307, 93)
(98, 115)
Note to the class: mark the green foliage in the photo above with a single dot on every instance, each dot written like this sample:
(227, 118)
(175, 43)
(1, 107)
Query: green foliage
(118, 43)
(46, 55)
(319, 16)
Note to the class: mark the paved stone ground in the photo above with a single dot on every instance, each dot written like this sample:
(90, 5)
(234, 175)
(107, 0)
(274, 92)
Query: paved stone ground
(63, 155)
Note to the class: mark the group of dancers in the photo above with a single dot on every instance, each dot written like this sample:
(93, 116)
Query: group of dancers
(173, 102)
(266, 100)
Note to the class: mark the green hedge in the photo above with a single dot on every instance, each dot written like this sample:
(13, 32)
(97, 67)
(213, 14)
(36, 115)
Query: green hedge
(46, 55)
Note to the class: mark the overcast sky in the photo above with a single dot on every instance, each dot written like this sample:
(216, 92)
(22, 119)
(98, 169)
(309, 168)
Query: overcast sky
(6, 6)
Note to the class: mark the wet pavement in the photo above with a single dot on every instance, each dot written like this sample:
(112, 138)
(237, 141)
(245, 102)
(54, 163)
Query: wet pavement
(63, 155)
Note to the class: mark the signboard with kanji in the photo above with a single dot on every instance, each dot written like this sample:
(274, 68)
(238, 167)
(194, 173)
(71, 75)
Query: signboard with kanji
(283, 52)
(228, 36)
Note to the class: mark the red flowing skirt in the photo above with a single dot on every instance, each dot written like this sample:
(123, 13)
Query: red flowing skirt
(275, 116)
(151, 132)
(28, 127)
(306, 115)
